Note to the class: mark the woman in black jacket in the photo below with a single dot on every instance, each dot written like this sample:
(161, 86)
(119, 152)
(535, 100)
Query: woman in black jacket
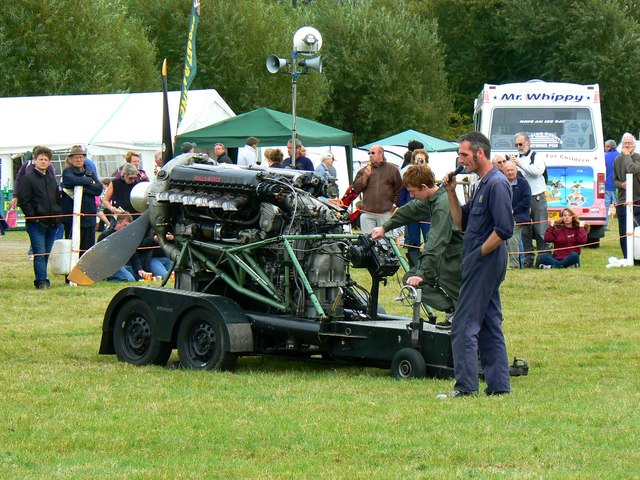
(39, 200)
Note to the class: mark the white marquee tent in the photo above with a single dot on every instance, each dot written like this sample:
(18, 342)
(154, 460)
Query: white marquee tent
(108, 125)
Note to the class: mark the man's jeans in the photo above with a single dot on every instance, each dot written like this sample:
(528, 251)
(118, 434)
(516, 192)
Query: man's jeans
(536, 230)
(609, 199)
(124, 274)
(159, 266)
(41, 242)
(514, 247)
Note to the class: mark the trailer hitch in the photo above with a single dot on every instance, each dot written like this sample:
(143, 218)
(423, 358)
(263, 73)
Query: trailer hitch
(412, 297)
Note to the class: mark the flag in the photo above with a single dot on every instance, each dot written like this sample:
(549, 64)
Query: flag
(167, 139)
(190, 66)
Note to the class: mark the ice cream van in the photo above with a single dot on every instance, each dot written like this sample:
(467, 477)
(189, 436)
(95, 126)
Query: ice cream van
(564, 123)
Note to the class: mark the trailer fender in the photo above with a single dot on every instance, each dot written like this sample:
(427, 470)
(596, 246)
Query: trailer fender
(170, 306)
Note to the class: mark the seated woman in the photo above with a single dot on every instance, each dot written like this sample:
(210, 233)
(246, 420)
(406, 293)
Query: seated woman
(153, 258)
(117, 197)
(567, 235)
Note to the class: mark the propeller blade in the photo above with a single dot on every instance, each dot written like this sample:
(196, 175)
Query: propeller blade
(107, 256)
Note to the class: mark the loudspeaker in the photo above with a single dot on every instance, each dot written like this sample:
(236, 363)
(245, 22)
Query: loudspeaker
(314, 63)
(274, 63)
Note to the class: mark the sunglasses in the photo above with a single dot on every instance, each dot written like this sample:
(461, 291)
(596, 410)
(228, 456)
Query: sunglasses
(519, 144)
(500, 162)
(372, 153)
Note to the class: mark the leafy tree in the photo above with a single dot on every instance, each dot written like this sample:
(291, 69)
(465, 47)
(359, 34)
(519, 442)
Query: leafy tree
(579, 41)
(385, 66)
(234, 58)
(234, 39)
(166, 26)
(70, 46)
(471, 34)
(594, 41)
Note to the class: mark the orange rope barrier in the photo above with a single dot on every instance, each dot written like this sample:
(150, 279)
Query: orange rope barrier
(63, 215)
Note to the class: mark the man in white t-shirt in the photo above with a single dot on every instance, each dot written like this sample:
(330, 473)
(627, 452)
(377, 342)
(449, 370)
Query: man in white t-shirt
(532, 167)
(248, 155)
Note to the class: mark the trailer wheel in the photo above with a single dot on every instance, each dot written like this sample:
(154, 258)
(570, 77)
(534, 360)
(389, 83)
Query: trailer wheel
(201, 342)
(408, 363)
(134, 338)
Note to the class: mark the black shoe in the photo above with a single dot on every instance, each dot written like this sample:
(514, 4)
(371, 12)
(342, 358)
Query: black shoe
(456, 394)
(42, 285)
(499, 392)
(445, 325)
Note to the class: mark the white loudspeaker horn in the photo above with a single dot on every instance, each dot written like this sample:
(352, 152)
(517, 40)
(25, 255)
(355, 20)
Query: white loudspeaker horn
(314, 63)
(274, 63)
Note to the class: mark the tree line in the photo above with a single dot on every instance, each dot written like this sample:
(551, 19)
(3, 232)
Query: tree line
(388, 65)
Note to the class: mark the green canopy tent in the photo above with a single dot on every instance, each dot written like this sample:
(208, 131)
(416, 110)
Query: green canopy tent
(273, 128)
(431, 144)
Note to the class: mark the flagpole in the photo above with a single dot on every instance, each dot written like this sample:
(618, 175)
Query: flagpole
(190, 63)
(167, 139)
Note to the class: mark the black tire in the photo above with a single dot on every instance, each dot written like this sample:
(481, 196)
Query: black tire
(593, 243)
(135, 337)
(408, 363)
(594, 236)
(201, 342)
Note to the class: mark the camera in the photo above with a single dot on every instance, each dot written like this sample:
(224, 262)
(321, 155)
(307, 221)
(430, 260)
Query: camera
(377, 257)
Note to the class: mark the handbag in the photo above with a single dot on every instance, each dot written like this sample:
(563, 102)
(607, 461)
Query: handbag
(12, 218)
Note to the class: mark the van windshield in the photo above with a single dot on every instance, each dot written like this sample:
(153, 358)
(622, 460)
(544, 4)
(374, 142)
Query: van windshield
(559, 128)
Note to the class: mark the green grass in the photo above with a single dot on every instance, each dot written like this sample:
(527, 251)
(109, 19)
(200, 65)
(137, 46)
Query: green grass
(67, 412)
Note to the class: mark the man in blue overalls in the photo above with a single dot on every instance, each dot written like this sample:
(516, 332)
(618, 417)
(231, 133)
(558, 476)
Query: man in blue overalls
(487, 223)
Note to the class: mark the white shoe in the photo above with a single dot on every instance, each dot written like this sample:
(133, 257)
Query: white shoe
(456, 394)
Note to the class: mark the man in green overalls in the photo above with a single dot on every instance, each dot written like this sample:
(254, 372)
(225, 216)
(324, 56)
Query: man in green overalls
(438, 268)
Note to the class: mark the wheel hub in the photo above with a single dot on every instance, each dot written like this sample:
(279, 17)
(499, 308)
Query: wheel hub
(138, 334)
(204, 340)
(405, 368)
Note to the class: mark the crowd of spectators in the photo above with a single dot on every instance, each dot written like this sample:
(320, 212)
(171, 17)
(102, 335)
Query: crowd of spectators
(379, 185)
(48, 203)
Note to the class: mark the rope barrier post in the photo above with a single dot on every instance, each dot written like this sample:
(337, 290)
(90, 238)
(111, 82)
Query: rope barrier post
(629, 227)
(75, 226)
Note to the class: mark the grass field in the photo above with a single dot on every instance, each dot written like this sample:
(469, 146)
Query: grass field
(68, 413)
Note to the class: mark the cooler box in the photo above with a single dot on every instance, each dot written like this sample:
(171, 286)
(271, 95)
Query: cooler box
(60, 258)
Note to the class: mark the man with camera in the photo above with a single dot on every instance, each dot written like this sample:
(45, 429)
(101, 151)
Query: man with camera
(379, 183)
(533, 168)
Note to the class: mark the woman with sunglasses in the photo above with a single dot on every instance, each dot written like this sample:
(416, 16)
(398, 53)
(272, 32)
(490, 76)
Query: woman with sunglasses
(413, 230)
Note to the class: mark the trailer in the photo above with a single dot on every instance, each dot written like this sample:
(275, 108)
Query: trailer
(263, 266)
(143, 325)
